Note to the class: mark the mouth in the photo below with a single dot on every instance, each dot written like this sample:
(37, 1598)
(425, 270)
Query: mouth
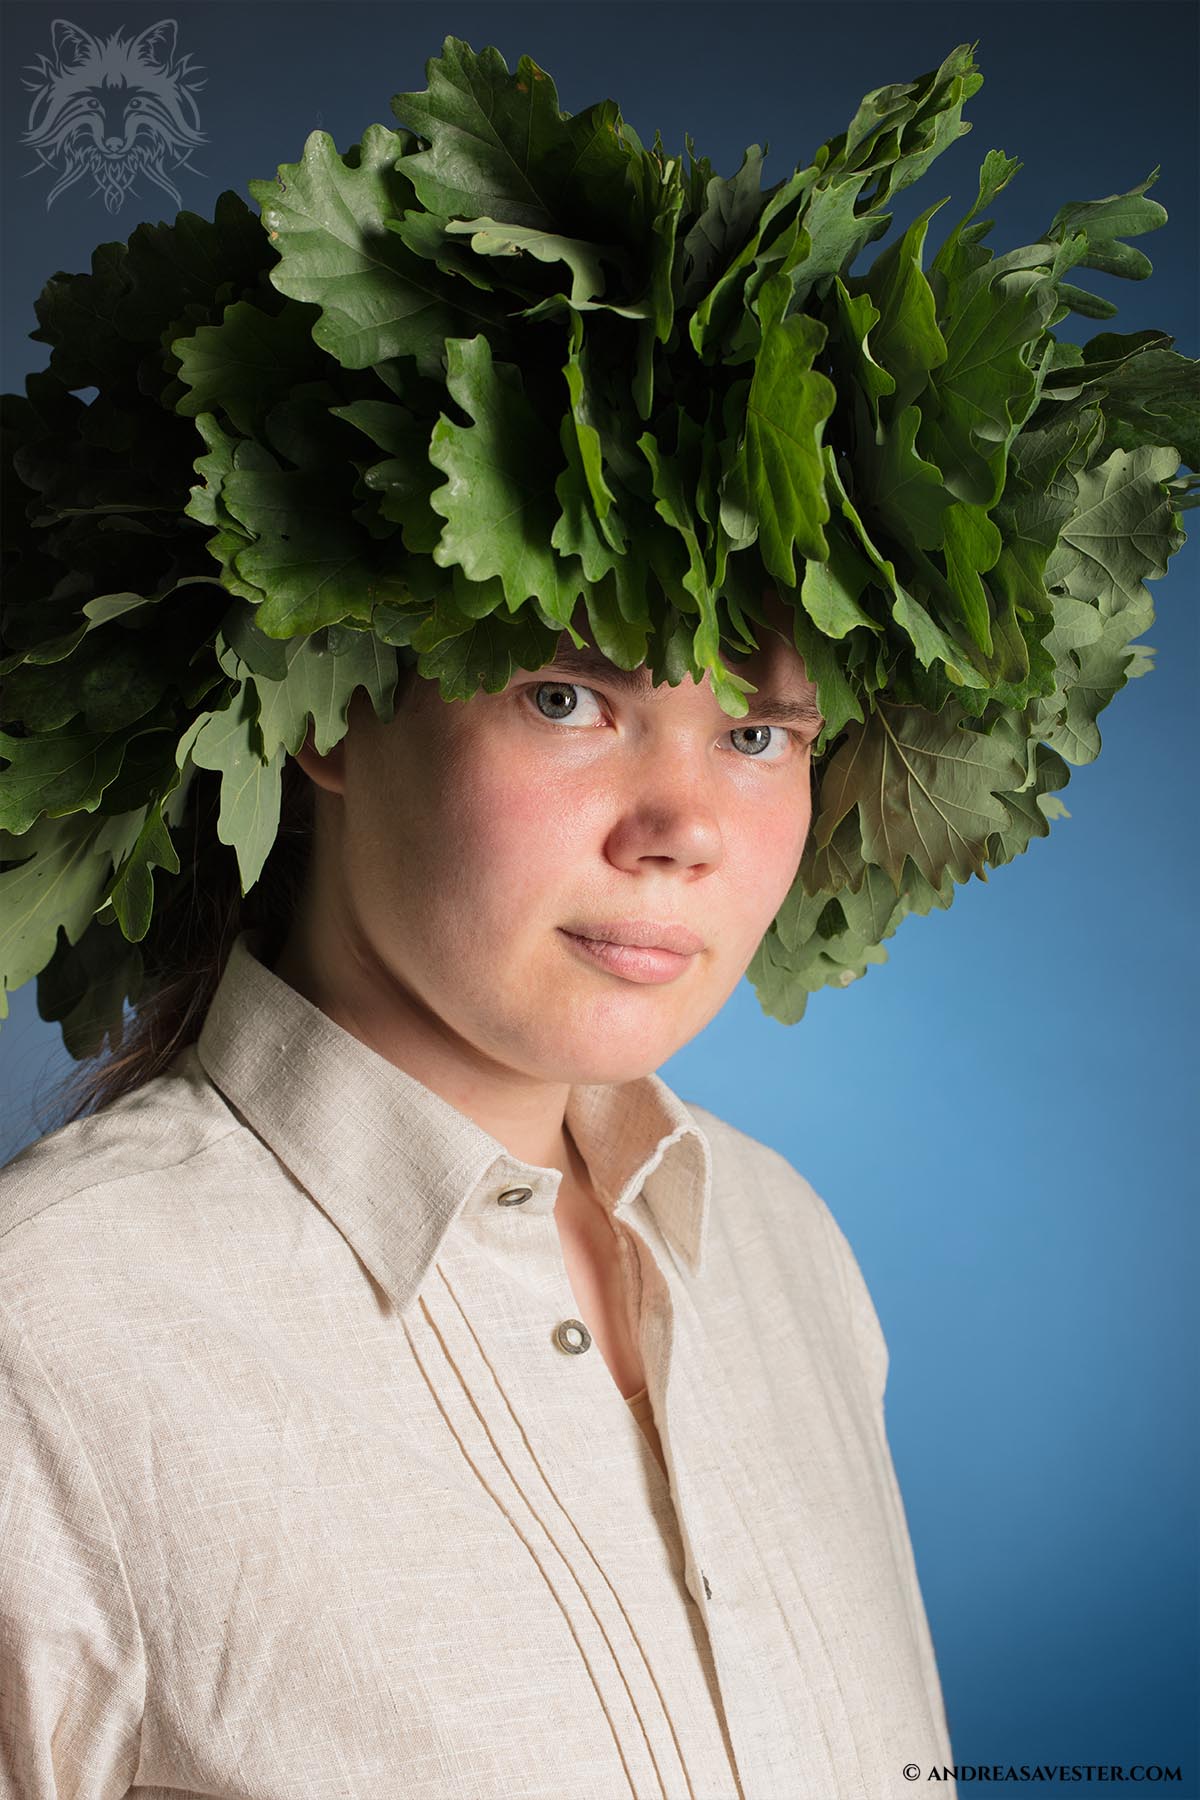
(645, 934)
(634, 962)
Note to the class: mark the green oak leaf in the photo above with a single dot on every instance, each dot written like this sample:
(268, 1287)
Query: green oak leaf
(671, 490)
(132, 890)
(248, 819)
(57, 773)
(868, 380)
(242, 366)
(319, 685)
(57, 886)
(84, 986)
(1101, 668)
(929, 640)
(1120, 533)
(839, 696)
(487, 655)
(895, 135)
(500, 144)
(309, 564)
(618, 616)
(498, 500)
(1031, 809)
(985, 388)
(327, 216)
(830, 591)
(905, 340)
(492, 237)
(780, 480)
(925, 787)
(1149, 394)
(908, 496)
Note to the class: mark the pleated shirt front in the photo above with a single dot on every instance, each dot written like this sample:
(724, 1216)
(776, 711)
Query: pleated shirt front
(312, 1487)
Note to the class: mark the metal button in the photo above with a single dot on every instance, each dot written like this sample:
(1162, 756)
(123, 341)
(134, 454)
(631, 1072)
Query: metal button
(573, 1335)
(514, 1196)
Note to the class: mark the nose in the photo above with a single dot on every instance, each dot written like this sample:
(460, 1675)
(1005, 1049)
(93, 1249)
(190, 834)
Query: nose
(667, 815)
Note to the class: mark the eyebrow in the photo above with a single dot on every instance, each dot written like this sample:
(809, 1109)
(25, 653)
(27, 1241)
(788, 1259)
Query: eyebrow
(592, 665)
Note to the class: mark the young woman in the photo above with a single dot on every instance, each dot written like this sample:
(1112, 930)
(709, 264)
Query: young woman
(403, 1391)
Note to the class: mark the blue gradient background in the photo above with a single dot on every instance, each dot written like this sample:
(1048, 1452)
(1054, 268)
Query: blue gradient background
(1001, 1116)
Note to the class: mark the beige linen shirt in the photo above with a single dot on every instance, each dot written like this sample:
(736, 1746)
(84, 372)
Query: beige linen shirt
(313, 1485)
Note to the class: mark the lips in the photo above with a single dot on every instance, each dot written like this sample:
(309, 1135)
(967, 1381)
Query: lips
(631, 962)
(644, 934)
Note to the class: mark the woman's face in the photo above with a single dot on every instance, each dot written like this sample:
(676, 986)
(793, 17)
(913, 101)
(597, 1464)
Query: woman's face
(458, 843)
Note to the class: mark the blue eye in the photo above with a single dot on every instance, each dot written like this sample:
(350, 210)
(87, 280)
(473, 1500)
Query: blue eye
(561, 695)
(557, 703)
(779, 736)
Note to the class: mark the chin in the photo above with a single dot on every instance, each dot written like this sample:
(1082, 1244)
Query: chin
(584, 1055)
(593, 1071)
(577, 1035)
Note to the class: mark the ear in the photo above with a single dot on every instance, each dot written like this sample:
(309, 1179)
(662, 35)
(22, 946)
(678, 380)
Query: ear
(327, 771)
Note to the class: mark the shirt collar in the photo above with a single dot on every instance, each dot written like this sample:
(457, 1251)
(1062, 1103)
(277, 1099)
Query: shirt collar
(394, 1165)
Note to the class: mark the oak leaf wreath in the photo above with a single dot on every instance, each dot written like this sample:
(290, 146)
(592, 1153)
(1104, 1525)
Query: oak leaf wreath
(467, 373)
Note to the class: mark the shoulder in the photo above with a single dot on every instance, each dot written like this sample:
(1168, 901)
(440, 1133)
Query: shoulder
(765, 1176)
(760, 1199)
(89, 1209)
(143, 1137)
(736, 1149)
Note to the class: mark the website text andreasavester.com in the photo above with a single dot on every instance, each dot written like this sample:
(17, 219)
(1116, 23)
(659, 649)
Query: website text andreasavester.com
(1043, 1772)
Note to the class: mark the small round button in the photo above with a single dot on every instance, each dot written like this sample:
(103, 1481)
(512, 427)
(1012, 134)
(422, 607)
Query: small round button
(573, 1335)
(514, 1196)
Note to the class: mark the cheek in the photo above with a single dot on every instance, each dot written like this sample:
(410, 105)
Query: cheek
(764, 855)
(519, 840)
